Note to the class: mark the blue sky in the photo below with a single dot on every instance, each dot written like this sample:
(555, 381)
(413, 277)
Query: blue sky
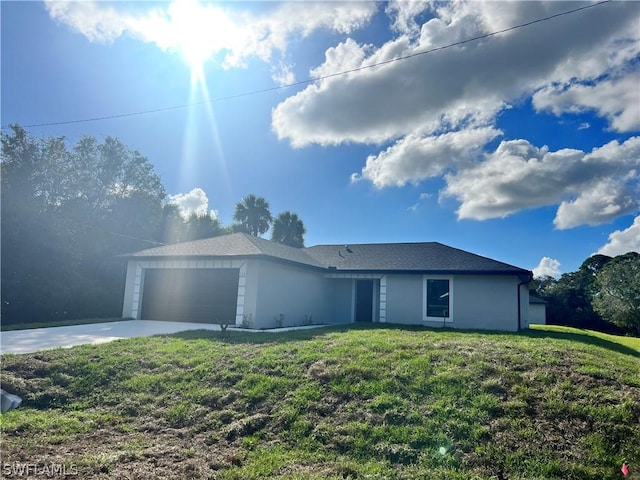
(523, 146)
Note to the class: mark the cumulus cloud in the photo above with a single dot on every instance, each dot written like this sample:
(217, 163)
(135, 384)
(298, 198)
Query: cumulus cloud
(623, 241)
(449, 89)
(601, 185)
(228, 31)
(196, 201)
(617, 100)
(435, 114)
(548, 267)
(415, 157)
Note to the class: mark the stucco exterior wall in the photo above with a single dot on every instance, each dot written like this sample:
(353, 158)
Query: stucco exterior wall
(291, 291)
(487, 302)
(404, 299)
(537, 314)
(477, 302)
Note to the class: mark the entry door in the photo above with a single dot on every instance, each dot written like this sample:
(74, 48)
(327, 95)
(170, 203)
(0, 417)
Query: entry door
(364, 300)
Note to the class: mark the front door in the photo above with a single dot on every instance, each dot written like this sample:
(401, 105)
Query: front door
(364, 300)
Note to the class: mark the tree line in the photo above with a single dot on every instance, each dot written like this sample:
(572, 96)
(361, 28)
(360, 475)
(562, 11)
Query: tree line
(603, 294)
(69, 211)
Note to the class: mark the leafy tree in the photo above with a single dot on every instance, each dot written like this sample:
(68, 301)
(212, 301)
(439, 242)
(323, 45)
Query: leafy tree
(172, 226)
(289, 230)
(65, 214)
(201, 226)
(570, 297)
(252, 215)
(618, 297)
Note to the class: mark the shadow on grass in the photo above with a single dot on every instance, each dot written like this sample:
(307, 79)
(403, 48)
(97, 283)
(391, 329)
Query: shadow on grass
(582, 338)
(253, 337)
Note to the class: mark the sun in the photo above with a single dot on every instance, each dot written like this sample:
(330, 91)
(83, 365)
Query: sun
(193, 32)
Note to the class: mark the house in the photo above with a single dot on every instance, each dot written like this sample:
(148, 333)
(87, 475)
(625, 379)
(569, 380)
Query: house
(245, 280)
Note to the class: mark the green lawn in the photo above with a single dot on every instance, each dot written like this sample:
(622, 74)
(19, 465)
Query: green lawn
(359, 402)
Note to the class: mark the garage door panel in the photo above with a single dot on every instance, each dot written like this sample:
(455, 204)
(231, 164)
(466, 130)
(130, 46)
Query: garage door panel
(190, 295)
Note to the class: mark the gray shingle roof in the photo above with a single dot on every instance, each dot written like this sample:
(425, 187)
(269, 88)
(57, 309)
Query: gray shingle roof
(430, 257)
(417, 257)
(234, 245)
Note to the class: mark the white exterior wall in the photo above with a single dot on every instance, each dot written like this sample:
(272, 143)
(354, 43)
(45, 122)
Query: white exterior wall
(488, 302)
(537, 314)
(291, 291)
(404, 295)
(477, 302)
(267, 289)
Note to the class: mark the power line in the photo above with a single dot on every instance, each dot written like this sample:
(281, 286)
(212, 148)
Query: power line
(323, 77)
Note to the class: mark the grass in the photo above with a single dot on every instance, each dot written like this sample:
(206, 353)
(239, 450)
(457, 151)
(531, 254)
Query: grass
(597, 338)
(60, 323)
(353, 402)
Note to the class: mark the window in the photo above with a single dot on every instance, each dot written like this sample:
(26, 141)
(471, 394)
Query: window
(437, 300)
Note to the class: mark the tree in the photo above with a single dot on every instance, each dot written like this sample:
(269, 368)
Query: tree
(252, 215)
(570, 297)
(66, 213)
(201, 226)
(171, 227)
(289, 230)
(618, 297)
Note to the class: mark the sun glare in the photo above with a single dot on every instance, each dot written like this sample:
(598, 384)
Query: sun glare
(193, 32)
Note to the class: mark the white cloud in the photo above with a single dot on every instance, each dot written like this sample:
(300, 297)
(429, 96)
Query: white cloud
(453, 88)
(602, 202)
(428, 107)
(283, 74)
(616, 100)
(404, 14)
(421, 198)
(623, 241)
(196, 201)
(548, 267)
(519, 175)
(415, 157)
(229, 31)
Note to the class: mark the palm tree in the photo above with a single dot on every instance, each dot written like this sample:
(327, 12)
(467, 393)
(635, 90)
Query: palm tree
(253, 215)
(289, 230)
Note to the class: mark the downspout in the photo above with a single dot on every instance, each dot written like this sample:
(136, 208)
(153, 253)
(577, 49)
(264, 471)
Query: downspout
(529, 278)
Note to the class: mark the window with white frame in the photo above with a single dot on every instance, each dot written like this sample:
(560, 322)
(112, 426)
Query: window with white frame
(437, 299)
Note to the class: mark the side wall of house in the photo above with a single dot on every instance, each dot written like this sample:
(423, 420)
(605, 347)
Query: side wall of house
(477, 302)
(299, 294)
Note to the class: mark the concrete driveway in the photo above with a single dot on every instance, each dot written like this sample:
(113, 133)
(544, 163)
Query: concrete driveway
(27, 341)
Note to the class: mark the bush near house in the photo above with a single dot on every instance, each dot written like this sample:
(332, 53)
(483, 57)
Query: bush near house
(349, 402)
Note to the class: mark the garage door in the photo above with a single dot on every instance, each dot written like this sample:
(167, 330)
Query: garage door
(190, 294)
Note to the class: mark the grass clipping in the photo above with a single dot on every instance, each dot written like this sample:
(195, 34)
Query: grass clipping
(358, 402)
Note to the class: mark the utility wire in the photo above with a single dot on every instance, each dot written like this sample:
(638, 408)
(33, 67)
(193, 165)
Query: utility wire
(323, 77)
